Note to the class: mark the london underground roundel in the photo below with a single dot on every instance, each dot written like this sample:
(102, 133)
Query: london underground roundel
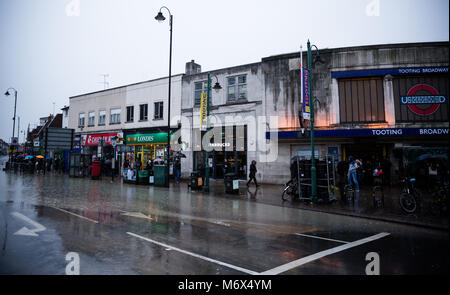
(423, 104)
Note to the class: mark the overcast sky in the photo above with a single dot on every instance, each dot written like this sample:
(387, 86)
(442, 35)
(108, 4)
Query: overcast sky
(53, 49)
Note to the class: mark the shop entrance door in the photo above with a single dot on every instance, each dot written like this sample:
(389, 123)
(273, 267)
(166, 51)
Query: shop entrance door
(369, 152)
(218, 164)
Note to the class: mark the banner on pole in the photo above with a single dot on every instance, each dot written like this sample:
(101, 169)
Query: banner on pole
(306, 98)
(203, 111)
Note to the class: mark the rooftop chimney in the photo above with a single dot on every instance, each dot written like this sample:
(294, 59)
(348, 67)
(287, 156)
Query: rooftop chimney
(192, 68)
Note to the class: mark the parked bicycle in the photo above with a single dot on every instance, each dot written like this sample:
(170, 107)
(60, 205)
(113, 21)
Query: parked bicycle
(290, 190)
(409, 197)
(440, 200)
(377, 189)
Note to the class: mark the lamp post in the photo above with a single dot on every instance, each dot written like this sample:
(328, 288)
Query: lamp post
(216, 87)
(313, 100)
(160, 17)
(14, 119)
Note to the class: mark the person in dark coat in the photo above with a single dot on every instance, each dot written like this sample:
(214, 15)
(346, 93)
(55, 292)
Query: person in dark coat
(252, 175)
(342, 168)
(226, 167)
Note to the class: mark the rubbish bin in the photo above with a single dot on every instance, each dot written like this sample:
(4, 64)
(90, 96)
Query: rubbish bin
(231, 183)
(95, 169)
(160, 173)
(196, 181)
(142, 177)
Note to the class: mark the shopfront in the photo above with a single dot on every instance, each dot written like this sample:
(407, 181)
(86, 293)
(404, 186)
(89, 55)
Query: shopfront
(145, 147)
(401, 146)
(98, 145)
(230, 147)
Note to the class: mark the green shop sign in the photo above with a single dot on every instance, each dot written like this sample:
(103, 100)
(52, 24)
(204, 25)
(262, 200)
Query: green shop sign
(147, 138)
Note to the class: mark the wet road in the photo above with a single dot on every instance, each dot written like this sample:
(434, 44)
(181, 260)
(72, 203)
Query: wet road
(127, 229)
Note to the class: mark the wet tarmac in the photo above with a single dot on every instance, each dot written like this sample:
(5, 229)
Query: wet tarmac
(118, 228)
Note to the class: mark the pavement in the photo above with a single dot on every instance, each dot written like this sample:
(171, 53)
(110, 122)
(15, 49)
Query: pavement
(391, 211)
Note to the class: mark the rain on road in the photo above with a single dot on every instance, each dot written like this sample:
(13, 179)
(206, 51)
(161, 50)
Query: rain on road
(127, 229)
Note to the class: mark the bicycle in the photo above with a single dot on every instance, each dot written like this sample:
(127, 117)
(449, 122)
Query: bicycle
(409, 197)
(291, 189)
(440, 201)
(349, 194)
(378, 193)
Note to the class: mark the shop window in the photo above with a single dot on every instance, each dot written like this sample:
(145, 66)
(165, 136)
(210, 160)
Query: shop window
(421, 98)
(237, 88)
(130, 113)
(91, 119)
(361, 100)
(81, 120)
(115, 116)
(101, 117)
(159, 107)
(143, 112)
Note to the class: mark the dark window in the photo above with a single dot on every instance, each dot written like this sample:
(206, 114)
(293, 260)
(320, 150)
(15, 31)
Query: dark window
(199, 88)
(130, 114)
(361, 100)
(237, 88)
(159, 110)
(143, 112)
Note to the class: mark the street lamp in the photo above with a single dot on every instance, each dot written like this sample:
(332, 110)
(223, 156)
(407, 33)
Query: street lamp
(160, 17)
(217, 88)
(14, 119)
(317, 59)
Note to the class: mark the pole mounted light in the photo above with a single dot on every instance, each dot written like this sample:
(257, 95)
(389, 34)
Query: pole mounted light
(14, 118)
(311, 64)
(217, 88)
(160, 17)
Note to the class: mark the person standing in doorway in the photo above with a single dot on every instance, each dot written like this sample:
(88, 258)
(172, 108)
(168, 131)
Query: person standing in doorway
(351, 176)
(252, 175)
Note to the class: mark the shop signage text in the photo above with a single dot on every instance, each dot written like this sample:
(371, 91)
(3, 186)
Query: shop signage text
(203, 111)
(412, 100)
(306, 98)
(383, 72)
(367, 132)
(147, 138)
(93, 139)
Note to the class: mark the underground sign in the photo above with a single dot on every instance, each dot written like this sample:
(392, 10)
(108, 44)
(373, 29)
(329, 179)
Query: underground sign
(431, 101)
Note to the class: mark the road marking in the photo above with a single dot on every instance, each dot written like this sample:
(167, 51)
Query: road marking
(91, 220)
(316, 237)
(24, 231)
(304, 260)
(136, 214)
(196, 255)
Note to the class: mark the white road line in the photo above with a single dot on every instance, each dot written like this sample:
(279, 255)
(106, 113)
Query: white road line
(196, 255)
(92, 220)
(304, 260)
(316, 237)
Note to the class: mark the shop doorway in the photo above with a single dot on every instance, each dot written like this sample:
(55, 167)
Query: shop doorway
(369, 152)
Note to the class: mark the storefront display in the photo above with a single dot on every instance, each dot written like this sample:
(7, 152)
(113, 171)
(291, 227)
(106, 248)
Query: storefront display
(229, 149)
(143, 153)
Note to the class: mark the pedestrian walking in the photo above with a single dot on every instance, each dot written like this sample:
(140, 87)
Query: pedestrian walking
(57, 163)
(226, 167)
(252, 175)
(342, 168)
(386, 167)
(351, 176)
(177, 166)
